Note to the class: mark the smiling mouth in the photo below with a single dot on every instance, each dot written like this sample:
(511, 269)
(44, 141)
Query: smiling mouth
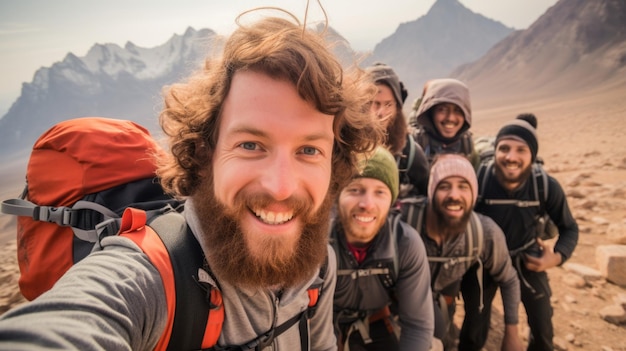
(365, 219)
(453, 207)
(273, 218)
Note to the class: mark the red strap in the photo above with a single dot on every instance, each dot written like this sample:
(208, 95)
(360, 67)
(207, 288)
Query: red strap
(214, 320)
(314, 294)
(133, 219)
(134, 227)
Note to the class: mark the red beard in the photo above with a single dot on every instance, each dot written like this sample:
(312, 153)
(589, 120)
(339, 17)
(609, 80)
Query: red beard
(281, 265)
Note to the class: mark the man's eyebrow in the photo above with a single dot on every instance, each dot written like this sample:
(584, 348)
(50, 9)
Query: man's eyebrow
(244, 129)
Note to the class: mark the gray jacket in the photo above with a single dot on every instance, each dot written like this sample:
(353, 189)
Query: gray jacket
(494, 257)
(411, 286)
(114, 300)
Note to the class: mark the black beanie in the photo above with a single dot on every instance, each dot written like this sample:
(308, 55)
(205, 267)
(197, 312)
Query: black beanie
(520, 130)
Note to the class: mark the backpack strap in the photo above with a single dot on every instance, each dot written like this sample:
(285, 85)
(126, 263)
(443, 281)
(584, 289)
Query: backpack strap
(475, 243)
(405, 161)
(412, 210)
(386, 276)
(265, 340)
(63, 216)
(194, 318)
(424, 141)
(467, 143)
(541, 186)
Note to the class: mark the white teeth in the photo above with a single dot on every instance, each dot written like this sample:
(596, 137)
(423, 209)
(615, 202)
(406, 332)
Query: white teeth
(273, 217)
(364, 219)
(512, 166)
(453, 207)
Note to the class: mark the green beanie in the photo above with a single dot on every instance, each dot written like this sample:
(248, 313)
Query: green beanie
(381, 165)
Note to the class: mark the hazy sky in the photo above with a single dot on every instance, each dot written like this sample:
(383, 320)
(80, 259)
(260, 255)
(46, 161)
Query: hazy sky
(38, 33)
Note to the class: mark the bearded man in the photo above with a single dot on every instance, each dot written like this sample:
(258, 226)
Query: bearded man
(512, 196)
(448, 220)
(382, 273)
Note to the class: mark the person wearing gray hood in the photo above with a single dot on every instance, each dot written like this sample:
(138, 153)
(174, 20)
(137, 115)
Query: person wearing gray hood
(444, 117)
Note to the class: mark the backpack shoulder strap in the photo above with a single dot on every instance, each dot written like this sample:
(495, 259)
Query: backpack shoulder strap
(468, 144)
(475, 245)
(541, 186)
(423, 140)
(484, 173)
(475, 236)
(405, 161)
(412, 210)
(394, 222)
(193, 318)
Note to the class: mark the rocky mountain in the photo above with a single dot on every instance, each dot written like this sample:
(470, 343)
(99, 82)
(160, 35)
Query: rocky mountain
(432, 46)
(109, 81)
(575, 46)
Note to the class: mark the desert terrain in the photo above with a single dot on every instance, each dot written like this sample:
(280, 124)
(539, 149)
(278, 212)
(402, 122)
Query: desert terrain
(581, 139)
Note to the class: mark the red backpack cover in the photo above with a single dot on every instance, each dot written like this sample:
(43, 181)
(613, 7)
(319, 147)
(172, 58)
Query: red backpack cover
(71, 160)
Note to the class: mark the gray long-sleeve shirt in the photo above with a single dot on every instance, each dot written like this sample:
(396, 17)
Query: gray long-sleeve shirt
(114, 300)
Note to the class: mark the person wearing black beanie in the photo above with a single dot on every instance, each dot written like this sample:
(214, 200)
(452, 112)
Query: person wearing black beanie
(517, 193)
(520, 130)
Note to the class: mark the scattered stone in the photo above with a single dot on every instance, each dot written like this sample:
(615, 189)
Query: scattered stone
(584, 229)
(570, 337)
(591, 183)
(613, 314)
(588, 273)
(576, 194)
(589, 204)
(574, 280)
(600, 221)
(616, 233)
(596, 292)
(559, 344)
(620, 299)
(570, 299)
(606, 348)
(611, 260)
(619, 193)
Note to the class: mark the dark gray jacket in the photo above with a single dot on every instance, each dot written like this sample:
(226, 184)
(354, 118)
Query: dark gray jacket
(411, 287)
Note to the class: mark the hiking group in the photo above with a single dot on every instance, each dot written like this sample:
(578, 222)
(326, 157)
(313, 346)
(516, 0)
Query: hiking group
(296, 207)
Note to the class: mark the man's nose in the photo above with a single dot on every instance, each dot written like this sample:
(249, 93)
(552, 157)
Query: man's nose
(280, 178)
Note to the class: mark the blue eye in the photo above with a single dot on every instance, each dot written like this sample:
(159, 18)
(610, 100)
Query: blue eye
(249, 145)
(310, 151)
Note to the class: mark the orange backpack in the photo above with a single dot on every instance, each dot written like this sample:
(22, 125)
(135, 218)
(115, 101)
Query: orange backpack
(92, 177)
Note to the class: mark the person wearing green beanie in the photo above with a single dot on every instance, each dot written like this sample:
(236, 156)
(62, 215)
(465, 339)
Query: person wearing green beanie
(382, 166)
(379, 256)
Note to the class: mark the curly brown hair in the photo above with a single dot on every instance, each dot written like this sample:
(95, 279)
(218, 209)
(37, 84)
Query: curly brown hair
(283, 50)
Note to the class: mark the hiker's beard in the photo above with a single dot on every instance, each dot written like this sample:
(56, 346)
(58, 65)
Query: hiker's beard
(450, 226)
(512, 180)
(282, 263)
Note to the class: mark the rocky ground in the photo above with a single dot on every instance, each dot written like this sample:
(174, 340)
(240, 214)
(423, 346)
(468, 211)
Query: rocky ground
(582, 142)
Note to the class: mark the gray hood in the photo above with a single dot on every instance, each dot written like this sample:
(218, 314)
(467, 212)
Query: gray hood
(444, 90)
